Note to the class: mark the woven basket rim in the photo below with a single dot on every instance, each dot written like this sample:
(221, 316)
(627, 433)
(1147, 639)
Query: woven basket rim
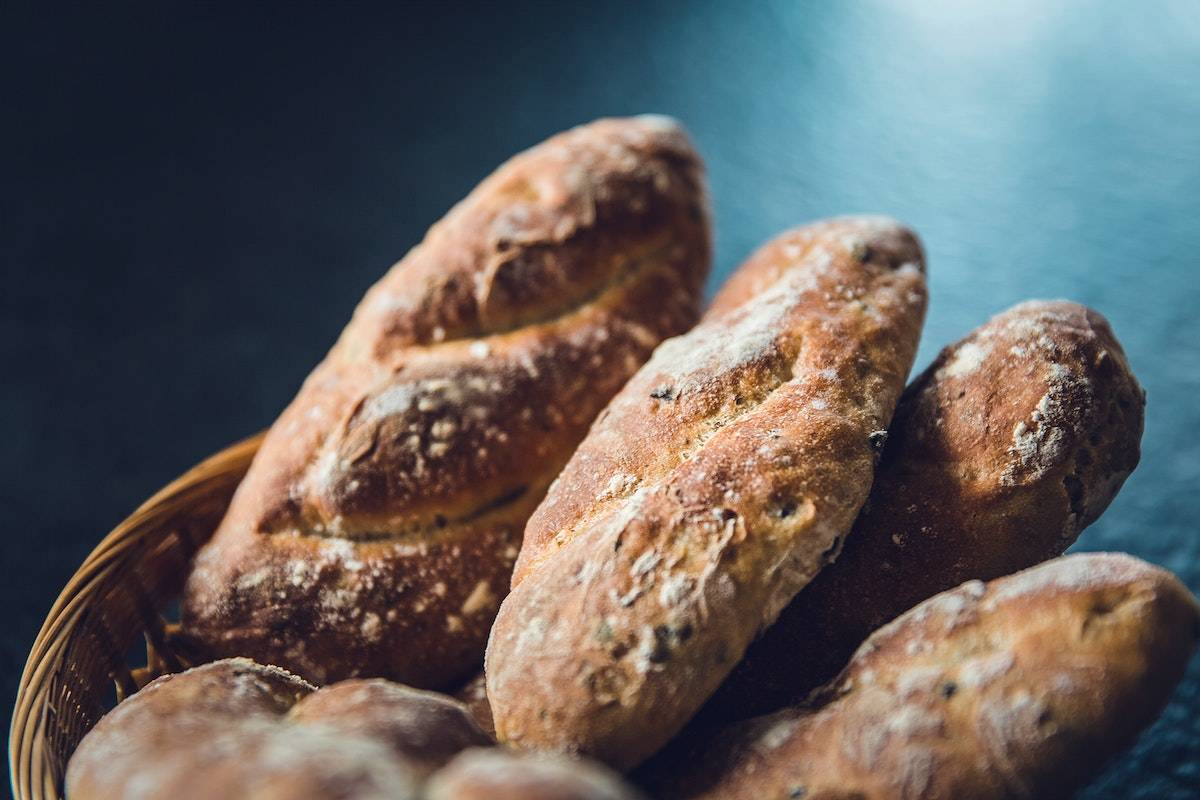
(31, 764)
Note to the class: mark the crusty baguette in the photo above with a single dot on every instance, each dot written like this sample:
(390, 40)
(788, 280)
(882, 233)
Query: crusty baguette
(218, 731)
(714, 486)
(1000, 453)
(1023, 687)
(375, 532)
(494, 774)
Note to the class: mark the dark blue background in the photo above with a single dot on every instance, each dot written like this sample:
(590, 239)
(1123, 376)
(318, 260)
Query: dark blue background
(194, 198)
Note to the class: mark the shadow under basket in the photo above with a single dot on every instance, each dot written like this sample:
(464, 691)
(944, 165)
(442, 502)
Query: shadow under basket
(83, 661)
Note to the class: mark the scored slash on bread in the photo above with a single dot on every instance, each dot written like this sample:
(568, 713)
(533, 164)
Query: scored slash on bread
(376, 529)
(1010, 443)
(1022, 687)
(715, 485)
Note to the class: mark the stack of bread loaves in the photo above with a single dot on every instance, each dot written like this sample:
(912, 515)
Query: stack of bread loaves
(745, 560)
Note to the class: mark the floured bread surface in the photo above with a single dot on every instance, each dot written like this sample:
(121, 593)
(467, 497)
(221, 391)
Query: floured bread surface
(376, 530)
(1000, 453)
(713, 487)
(1022, 687)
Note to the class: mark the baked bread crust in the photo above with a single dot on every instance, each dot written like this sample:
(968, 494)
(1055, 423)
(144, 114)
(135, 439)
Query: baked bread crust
(711, 490)
(216, 731)
(375, 532)
(495, 774)
(235, 728)
(1014, 440)
(427, 729)
(1023, 687)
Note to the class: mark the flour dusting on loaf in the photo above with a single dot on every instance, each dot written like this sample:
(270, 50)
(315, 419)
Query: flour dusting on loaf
(376, 530)
(1013, 441)
(1020, 688)
(718, 481)
(1069, 575)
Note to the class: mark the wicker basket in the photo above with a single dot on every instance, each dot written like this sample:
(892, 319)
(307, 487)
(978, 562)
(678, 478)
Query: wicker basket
(83, 662)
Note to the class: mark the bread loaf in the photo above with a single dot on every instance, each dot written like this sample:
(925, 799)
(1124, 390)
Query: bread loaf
(235, 728)
(1022, 687)
(714, 486)
(375, 532)
(494, 774)
(1000, 453)
(426, 728)
(220, 730)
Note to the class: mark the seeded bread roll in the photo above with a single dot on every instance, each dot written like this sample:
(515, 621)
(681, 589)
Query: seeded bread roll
(1023, 687)
(218, 731)
(494, 774)
(1012, 442)
(375, 532)
(714, 486)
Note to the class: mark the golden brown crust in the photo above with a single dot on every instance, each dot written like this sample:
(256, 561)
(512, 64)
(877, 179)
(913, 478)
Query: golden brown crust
(494, 774)
(215, 731)
(711, 489)
(1000, 453)
(1020, 688)
(376, 529)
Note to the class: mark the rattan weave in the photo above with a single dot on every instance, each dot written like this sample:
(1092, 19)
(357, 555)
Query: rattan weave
(83, 660)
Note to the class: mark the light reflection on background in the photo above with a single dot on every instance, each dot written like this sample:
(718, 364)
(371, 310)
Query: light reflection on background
(1042, 150)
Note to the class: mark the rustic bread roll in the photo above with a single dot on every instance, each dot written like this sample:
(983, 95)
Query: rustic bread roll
(218, 731)
(1000, 453)
(426, 728)
(376, 529)
(713, 487)
(494, 774)
(1022, 687)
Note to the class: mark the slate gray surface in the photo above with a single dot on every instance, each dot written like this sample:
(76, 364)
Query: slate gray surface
(195, 197)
